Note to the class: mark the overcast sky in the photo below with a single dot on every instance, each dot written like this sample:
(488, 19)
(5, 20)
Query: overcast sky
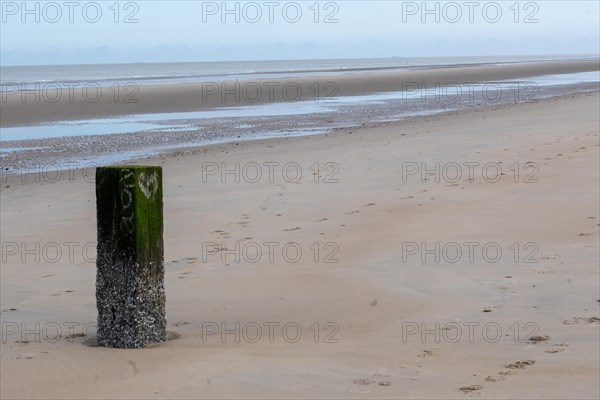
(163, 31)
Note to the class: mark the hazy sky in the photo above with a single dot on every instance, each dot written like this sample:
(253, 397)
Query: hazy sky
(73, 32)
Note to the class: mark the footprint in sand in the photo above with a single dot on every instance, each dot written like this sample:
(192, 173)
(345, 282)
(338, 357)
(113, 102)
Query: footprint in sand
(576, 320)
(71, 337)
(363, 381)
(538, 339)
(470, 388)
(557, 348)
(554, 257)
(502, 375)
(520, 364)
(379, 379)
(429, 353)
(26, 356)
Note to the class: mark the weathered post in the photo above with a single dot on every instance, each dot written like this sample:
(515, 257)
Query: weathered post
(130, 290)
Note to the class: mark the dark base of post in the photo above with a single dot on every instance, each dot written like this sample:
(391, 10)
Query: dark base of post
(127, 319)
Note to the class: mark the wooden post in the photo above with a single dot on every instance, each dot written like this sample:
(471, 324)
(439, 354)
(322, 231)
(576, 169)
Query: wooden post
(130, 290)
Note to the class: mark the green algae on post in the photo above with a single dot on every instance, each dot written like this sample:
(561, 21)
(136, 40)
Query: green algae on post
(130, 290)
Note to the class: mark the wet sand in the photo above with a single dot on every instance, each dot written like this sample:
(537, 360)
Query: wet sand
(356, 200)
(183, 131)
(81, 102)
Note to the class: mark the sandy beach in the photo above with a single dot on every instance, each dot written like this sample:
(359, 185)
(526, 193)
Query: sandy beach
(385, 280)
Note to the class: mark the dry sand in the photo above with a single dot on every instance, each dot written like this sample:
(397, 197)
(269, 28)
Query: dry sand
(371, 296)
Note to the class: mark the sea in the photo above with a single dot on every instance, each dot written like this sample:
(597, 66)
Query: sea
(180, 72)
